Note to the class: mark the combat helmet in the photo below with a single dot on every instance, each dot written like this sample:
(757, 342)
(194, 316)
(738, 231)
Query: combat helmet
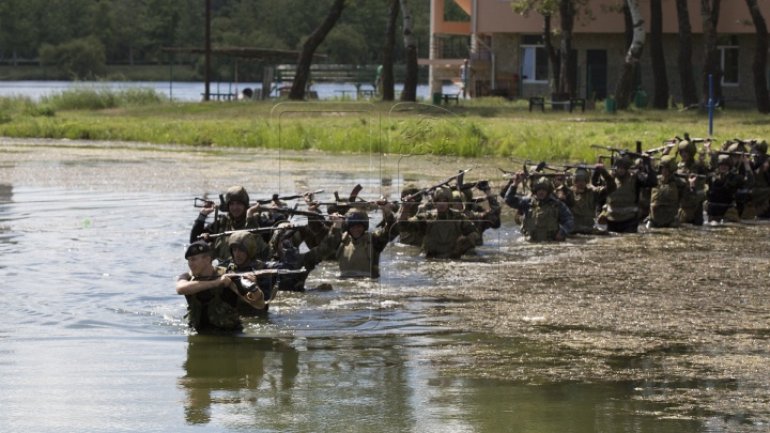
(581, 174)
(354, 217)
(668, 162)
(543, 183)
(623, 162)
(442, 194)
(245, 241)
(236, 193)
(686, 146)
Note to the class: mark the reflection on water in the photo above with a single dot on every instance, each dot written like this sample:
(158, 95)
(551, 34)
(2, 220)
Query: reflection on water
(586, 336)
(231, 371)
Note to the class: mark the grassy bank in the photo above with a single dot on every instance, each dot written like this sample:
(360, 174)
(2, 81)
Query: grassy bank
(484, 127)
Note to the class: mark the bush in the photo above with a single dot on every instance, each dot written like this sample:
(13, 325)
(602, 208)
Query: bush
(82, 58)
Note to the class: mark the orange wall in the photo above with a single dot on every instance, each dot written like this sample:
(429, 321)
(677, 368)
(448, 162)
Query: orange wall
(497, 16)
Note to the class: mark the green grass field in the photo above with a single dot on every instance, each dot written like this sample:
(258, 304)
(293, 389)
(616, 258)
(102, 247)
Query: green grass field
(481, 127)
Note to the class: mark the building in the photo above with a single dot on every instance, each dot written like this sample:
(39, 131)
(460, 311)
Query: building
(506, 55)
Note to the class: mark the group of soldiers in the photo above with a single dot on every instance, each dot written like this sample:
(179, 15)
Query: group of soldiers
(259, 251)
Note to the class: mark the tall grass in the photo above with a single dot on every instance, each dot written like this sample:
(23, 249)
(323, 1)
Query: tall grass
(100, 99)
(487, 127)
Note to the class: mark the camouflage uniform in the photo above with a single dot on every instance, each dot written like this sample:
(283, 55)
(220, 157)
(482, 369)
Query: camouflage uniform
(544, 220)
(361, 257)
(446, 233)
(666, 196)
(225, 223)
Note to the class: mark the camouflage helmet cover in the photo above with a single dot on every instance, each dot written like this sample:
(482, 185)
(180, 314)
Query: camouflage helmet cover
(668, 162)
(442, 195)
(354, 217)
(237, 193)
(543, 183)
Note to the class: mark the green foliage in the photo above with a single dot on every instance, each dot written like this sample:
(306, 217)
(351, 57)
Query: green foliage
(99, 99)
(79, 58)
(479, 128)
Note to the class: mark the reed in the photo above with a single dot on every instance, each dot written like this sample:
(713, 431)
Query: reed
(485, 127)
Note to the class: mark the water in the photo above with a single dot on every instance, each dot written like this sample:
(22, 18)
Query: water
(184, 91)
(664, 331)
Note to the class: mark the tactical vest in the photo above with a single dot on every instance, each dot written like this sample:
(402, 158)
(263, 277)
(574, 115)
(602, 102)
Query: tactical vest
(584, 211)
(357, 258)
(664, 203)
(622, 203)
(208, 308)
(441, 234)
(542, 222)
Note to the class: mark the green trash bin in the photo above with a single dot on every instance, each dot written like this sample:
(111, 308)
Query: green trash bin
(610, 105)
(640, 99)
(437, 98)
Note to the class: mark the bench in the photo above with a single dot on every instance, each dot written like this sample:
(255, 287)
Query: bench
(570, 104)
(451, 97)
(220, 96)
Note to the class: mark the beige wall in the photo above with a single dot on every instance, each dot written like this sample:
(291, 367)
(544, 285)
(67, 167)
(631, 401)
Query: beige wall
(497, 16)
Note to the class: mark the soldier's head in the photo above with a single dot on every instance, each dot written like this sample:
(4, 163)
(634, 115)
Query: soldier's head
(356, 223)
(542, 188)
(408, 191)
(442, 198)
(761, 147)
(667, 165)
(199, 256)
(580, 178)
(236, 201)
(243, 247)
(724, 163)
(622, 165)
(686, 150)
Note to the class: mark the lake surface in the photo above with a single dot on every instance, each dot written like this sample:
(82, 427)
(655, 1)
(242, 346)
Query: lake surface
(184, 91)
(664, 331)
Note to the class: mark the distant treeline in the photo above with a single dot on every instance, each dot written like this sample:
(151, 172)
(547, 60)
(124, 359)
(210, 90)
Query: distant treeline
(78, 38)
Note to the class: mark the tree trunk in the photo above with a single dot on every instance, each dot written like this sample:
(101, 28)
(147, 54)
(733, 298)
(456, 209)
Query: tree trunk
(660, 97)
(302, 74)
(759, 64)
(684, 61)
(709, 10)
(387, 80)
(566, 72)
(410, 45)
(625, 87)
(553, 54)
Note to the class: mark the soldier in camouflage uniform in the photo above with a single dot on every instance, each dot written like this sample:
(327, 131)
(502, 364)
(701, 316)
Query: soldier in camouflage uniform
(546, 218)
(232, 216)
(446, 233)
(696, 171)
(358, 253)
(621, 211)
(666, 196)
(587, 200)
(211, 295)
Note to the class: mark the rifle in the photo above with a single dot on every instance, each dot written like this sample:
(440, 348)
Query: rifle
(276, 198)
(622, 152)
(735, 153)
(292, 211)
(254, 230)
(202, 202)
(429, 189)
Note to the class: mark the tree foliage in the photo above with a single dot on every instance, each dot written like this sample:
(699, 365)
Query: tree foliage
(135, 31)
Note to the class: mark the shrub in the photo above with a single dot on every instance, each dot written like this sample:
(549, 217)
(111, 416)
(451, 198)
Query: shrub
(82, 58)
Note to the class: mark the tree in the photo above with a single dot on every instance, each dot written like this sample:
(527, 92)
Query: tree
(625, 86)
(309, 47)
(660, 96)
(760, 57)
(559, 60)
(386, 77)
(410, 46)
(684, 60)
(567, 71)
(709, 10)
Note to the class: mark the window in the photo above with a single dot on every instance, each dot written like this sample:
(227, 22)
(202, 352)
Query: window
(729, 63)
(534, 61)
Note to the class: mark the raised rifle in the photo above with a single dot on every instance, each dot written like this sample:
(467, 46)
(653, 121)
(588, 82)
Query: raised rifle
(430, 189)
(276, 198)
(623, 152)
(253, 230)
